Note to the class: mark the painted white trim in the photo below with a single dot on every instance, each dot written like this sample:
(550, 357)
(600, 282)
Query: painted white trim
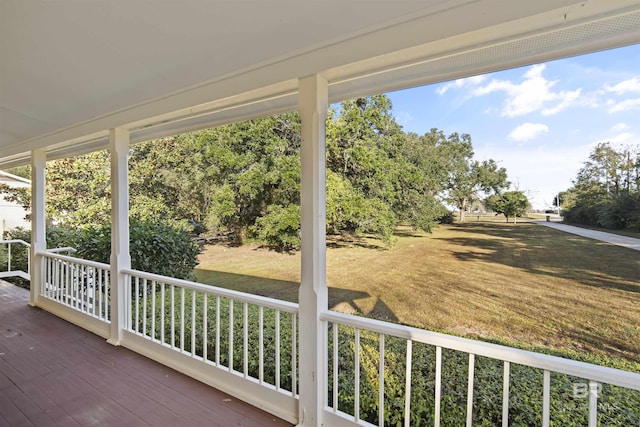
(313, 287)
(84, 321)
(52, 253)
(120, 257)
(15, 177)
(284, 306)
(340, 419)
(38, 222)
(494, 351)
(15, 273)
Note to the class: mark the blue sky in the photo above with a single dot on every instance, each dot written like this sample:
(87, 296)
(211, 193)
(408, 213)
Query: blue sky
(540, 122)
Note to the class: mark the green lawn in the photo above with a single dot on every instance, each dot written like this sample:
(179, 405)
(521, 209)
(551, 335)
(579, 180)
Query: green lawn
(513, 283)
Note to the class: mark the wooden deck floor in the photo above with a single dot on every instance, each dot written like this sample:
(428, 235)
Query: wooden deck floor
(54, 373)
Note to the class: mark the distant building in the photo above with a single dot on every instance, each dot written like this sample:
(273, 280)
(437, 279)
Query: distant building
(12, 214)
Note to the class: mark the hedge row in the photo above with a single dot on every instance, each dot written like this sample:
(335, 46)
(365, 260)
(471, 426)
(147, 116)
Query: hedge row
(569, 405)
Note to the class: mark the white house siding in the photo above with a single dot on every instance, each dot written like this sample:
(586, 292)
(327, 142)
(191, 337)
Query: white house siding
(12, 214)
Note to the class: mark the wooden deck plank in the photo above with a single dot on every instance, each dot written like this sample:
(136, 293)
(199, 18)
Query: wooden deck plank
(30, 410)
(36, 392)
(54, 373)
(12, 413)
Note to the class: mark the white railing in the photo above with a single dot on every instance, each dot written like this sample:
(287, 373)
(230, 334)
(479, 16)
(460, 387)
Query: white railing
(449, 378)
(78, 284)
(236, 336)
(20, 258)
(377, 373)
(67, 249)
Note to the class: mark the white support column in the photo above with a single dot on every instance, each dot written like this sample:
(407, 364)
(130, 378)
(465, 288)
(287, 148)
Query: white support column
(313, 104)
(120, 256)
(38, 222)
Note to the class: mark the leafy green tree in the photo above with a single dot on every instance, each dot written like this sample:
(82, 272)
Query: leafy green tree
(510, 204)
(609, 172)
(280, 227)
(421, 177)
(19, 195)
(243, 179)
(78, 190)
(606, 190)
(348, 210)
(153, 194)
(605, 163)
(362, 141)
(380, 176)
(22, 171)
(467, 178)
(234, 174)
(598, 178)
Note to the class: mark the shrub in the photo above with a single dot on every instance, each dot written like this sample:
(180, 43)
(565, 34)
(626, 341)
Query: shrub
(57, 237)
(280, 227)
(622, 212)
(617, 407)
(447, 218)
(183, 333)
(584, 213)
(155, 247)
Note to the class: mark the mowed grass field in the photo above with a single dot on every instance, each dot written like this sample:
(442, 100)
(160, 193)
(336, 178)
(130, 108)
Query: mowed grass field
(522, 284)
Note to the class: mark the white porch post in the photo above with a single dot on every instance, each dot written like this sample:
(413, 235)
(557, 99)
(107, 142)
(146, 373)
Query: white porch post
(38, 222)
(120, 257)
(313, 104)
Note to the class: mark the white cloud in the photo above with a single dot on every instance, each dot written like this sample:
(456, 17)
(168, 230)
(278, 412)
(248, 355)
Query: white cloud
(627, 104)
(626, 86)
(494, 85)
(527, 131)
(619, 138)
(620, 127)
(444, 88)
(532, 94)
(461, 83)
(568, 100)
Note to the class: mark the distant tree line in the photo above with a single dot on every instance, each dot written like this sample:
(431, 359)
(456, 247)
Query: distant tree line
(243, 179)
(606, 191)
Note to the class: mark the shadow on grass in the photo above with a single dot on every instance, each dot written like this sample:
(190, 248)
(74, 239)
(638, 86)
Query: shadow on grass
(341, 296)
(272, 288)
(342, 244)
(544, 251)
(349, 241)
(408, 232)
(288, 291)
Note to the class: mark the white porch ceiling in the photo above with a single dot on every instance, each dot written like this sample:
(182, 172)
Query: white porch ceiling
(71, 70)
